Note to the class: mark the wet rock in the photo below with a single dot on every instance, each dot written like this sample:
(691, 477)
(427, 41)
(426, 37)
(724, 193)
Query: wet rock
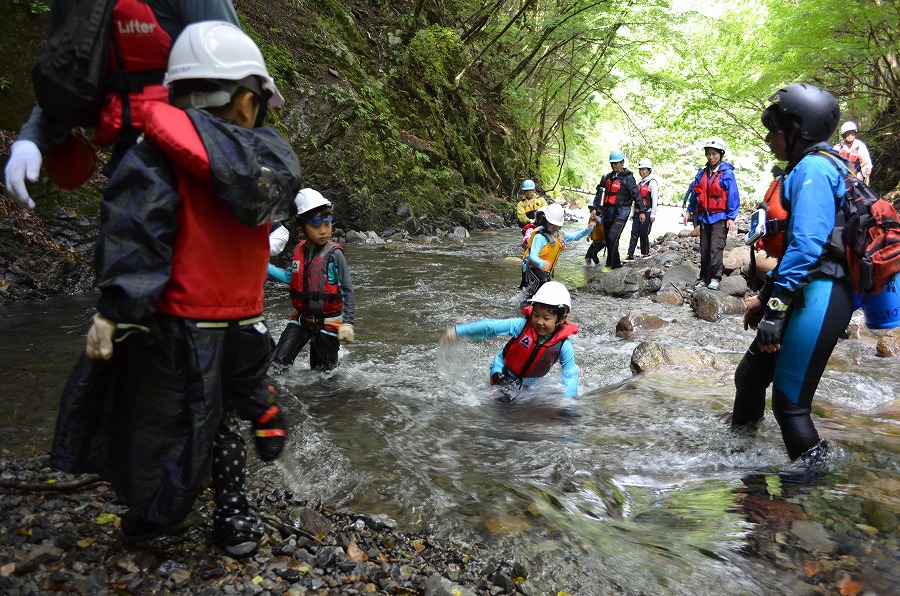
(310, 521)
(651, 355)
(354, 237)
(813, 536)
(441, 586)
(458, 232)
(624, 282)
(668, 297)
(889, 344)
(627, 325)
(712, 305)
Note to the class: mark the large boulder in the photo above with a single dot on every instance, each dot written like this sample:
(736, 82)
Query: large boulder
(712, 305)
(651, 355)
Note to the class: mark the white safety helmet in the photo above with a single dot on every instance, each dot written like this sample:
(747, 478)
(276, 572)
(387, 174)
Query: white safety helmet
(554, 214)
(309, 199)
(218, 51)
(715, 143)
(848, 126)
(552, 293)
(645, 163)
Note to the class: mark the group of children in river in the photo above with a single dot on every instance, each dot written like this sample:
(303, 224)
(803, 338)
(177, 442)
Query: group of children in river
(179, 353)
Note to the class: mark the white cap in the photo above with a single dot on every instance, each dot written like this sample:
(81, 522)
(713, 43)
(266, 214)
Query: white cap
(847, 126)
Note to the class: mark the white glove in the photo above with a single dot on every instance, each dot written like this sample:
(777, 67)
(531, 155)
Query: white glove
(449, 337)
(24, 162)
(278, 240)
(345, 333)
(99, 345)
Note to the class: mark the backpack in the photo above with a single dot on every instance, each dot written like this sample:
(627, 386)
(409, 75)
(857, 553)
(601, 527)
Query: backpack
(69, 75)
(866, 233)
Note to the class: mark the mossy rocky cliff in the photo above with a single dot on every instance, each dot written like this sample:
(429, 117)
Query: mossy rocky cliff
(372, 113)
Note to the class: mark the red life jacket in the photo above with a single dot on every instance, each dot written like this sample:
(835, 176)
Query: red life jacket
(612, 189)
(522, 355)
(645, 199)
(311, 292)
(143, 46)
(711, 197)
(851, 154)
(776, 221)
(218, 264)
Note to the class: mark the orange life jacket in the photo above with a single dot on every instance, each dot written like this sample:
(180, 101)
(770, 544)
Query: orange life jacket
(612, 189)
(776, 221)
(851, 154)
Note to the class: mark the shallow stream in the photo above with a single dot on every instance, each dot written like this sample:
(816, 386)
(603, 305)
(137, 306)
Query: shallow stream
(637, 488)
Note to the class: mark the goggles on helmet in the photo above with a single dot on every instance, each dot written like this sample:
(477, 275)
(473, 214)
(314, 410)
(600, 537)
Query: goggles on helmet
(320, 219)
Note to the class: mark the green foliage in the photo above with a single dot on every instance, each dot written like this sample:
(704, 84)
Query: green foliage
(33, 6)
(436, 51)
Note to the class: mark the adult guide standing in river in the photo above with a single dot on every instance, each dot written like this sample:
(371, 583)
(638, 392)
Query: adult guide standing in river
(616, 193)
(807, 300)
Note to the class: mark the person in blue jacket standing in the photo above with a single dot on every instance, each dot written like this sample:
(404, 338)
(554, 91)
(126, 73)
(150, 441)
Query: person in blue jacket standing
(807, 300)
(714, 198)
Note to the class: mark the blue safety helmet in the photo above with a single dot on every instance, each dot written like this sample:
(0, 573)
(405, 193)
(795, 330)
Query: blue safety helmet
(528, 185)
(616, 156)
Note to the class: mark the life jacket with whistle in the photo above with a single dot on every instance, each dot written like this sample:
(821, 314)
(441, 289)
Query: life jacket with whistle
(711, 197)
(138, 57)
(524, 357)
(311, 292)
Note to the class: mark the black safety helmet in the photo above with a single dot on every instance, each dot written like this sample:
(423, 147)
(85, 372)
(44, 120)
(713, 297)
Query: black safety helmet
(816, 110)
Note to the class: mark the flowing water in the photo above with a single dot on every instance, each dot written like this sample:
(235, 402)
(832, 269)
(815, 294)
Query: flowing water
(636, 488)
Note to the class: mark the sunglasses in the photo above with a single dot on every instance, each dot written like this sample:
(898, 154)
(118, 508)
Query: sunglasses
(319, 220)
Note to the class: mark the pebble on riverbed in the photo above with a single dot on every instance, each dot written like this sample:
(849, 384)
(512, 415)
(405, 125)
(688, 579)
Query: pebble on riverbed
(68, 541)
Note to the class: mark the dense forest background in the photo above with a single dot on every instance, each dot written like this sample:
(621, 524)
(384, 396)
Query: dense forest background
(438, 110)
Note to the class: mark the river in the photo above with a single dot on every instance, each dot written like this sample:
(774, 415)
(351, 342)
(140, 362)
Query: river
(638, 488)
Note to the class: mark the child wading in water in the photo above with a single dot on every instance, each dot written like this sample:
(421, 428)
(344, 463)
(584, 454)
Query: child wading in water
(539, 339)
(321, 290)
(545, 247)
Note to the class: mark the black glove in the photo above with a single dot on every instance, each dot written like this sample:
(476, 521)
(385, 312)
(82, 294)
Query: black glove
(771, 328)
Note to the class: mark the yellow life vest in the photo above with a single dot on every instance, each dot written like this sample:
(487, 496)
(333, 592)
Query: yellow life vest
(551, 250)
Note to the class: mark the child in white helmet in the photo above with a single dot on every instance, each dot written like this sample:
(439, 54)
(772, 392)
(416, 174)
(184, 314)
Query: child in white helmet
(539, 339)
(181, 259)
(545, 247)
(321, 290)
(855, 151)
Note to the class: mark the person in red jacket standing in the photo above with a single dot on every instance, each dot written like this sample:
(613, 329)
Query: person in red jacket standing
(181, 260)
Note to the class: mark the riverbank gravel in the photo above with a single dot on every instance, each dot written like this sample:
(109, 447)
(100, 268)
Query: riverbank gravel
(60, 534)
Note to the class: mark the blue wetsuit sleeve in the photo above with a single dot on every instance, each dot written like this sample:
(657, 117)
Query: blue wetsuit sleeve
(282, 275)
(487, 328)
(537, 245)
(569, 368)
(810, 190)
(572, 237)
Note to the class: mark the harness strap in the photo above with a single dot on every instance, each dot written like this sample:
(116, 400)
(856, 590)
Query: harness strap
(226, 324)
(122, 81)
